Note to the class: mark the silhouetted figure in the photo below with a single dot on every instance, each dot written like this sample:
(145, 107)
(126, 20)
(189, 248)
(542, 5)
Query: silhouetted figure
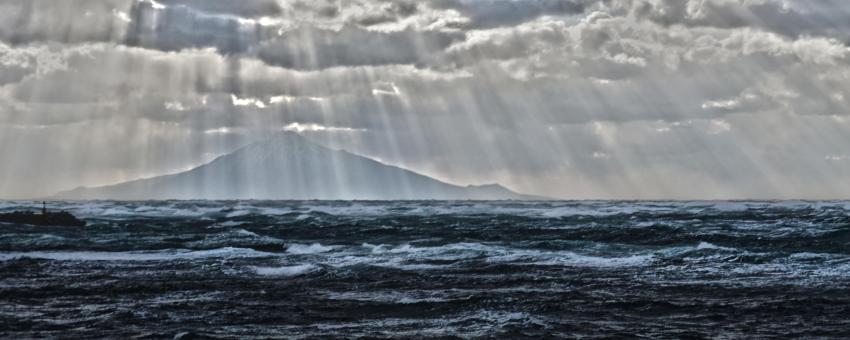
(44, 208)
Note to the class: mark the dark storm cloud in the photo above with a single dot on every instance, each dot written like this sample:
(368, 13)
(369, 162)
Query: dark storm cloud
(170, 25)
(310, 48)
(67, 21)
(178, 27)
(581, 98)
(10, 74)
(390, 12)
(807, 18)
(241, 8)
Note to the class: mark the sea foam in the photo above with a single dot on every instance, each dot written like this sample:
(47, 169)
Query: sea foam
(285, 271)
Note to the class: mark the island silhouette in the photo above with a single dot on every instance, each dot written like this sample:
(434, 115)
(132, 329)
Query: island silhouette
(288, 166)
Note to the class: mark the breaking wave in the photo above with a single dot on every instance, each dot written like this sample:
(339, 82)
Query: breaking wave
(429, 269)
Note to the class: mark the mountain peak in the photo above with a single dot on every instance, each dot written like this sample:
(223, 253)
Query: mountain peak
(289, 166)
(284, 140)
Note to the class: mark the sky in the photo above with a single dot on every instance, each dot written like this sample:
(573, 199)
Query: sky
(572, 99)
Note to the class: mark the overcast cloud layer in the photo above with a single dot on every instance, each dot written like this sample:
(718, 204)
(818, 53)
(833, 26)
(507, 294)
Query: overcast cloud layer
(565, 98)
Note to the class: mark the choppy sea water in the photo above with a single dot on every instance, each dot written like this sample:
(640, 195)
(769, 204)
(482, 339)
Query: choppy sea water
(313, 269)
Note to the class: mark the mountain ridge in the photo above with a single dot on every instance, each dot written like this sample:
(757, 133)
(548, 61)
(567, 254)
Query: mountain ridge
(288, 166)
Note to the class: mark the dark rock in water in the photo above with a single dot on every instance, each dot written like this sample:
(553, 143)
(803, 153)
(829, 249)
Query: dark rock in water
(44, 219)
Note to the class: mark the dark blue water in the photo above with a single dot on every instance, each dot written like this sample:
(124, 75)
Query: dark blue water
(429, 269)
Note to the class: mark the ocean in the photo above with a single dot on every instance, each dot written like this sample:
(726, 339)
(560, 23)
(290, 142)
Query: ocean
(426, 269)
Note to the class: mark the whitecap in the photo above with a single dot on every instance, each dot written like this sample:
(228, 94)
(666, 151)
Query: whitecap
(401, 297)
(237, 213)
(286, 271)
(573, 259)
(305, 249)
(274, 211)
(706, 245)
(163, 255)
(243, 232)
(357, 209)
(229, 224)
(409, 257)
(237, 237)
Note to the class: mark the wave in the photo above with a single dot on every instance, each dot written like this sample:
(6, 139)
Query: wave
(163, 255)
(706, 245)
(235, 237)
(305, 249)
(287, 271)
(407, 256)
(400, 297)
(538, 210)
(228, 224)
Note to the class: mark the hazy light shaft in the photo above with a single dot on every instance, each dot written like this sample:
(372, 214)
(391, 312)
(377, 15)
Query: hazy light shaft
(577, 99)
